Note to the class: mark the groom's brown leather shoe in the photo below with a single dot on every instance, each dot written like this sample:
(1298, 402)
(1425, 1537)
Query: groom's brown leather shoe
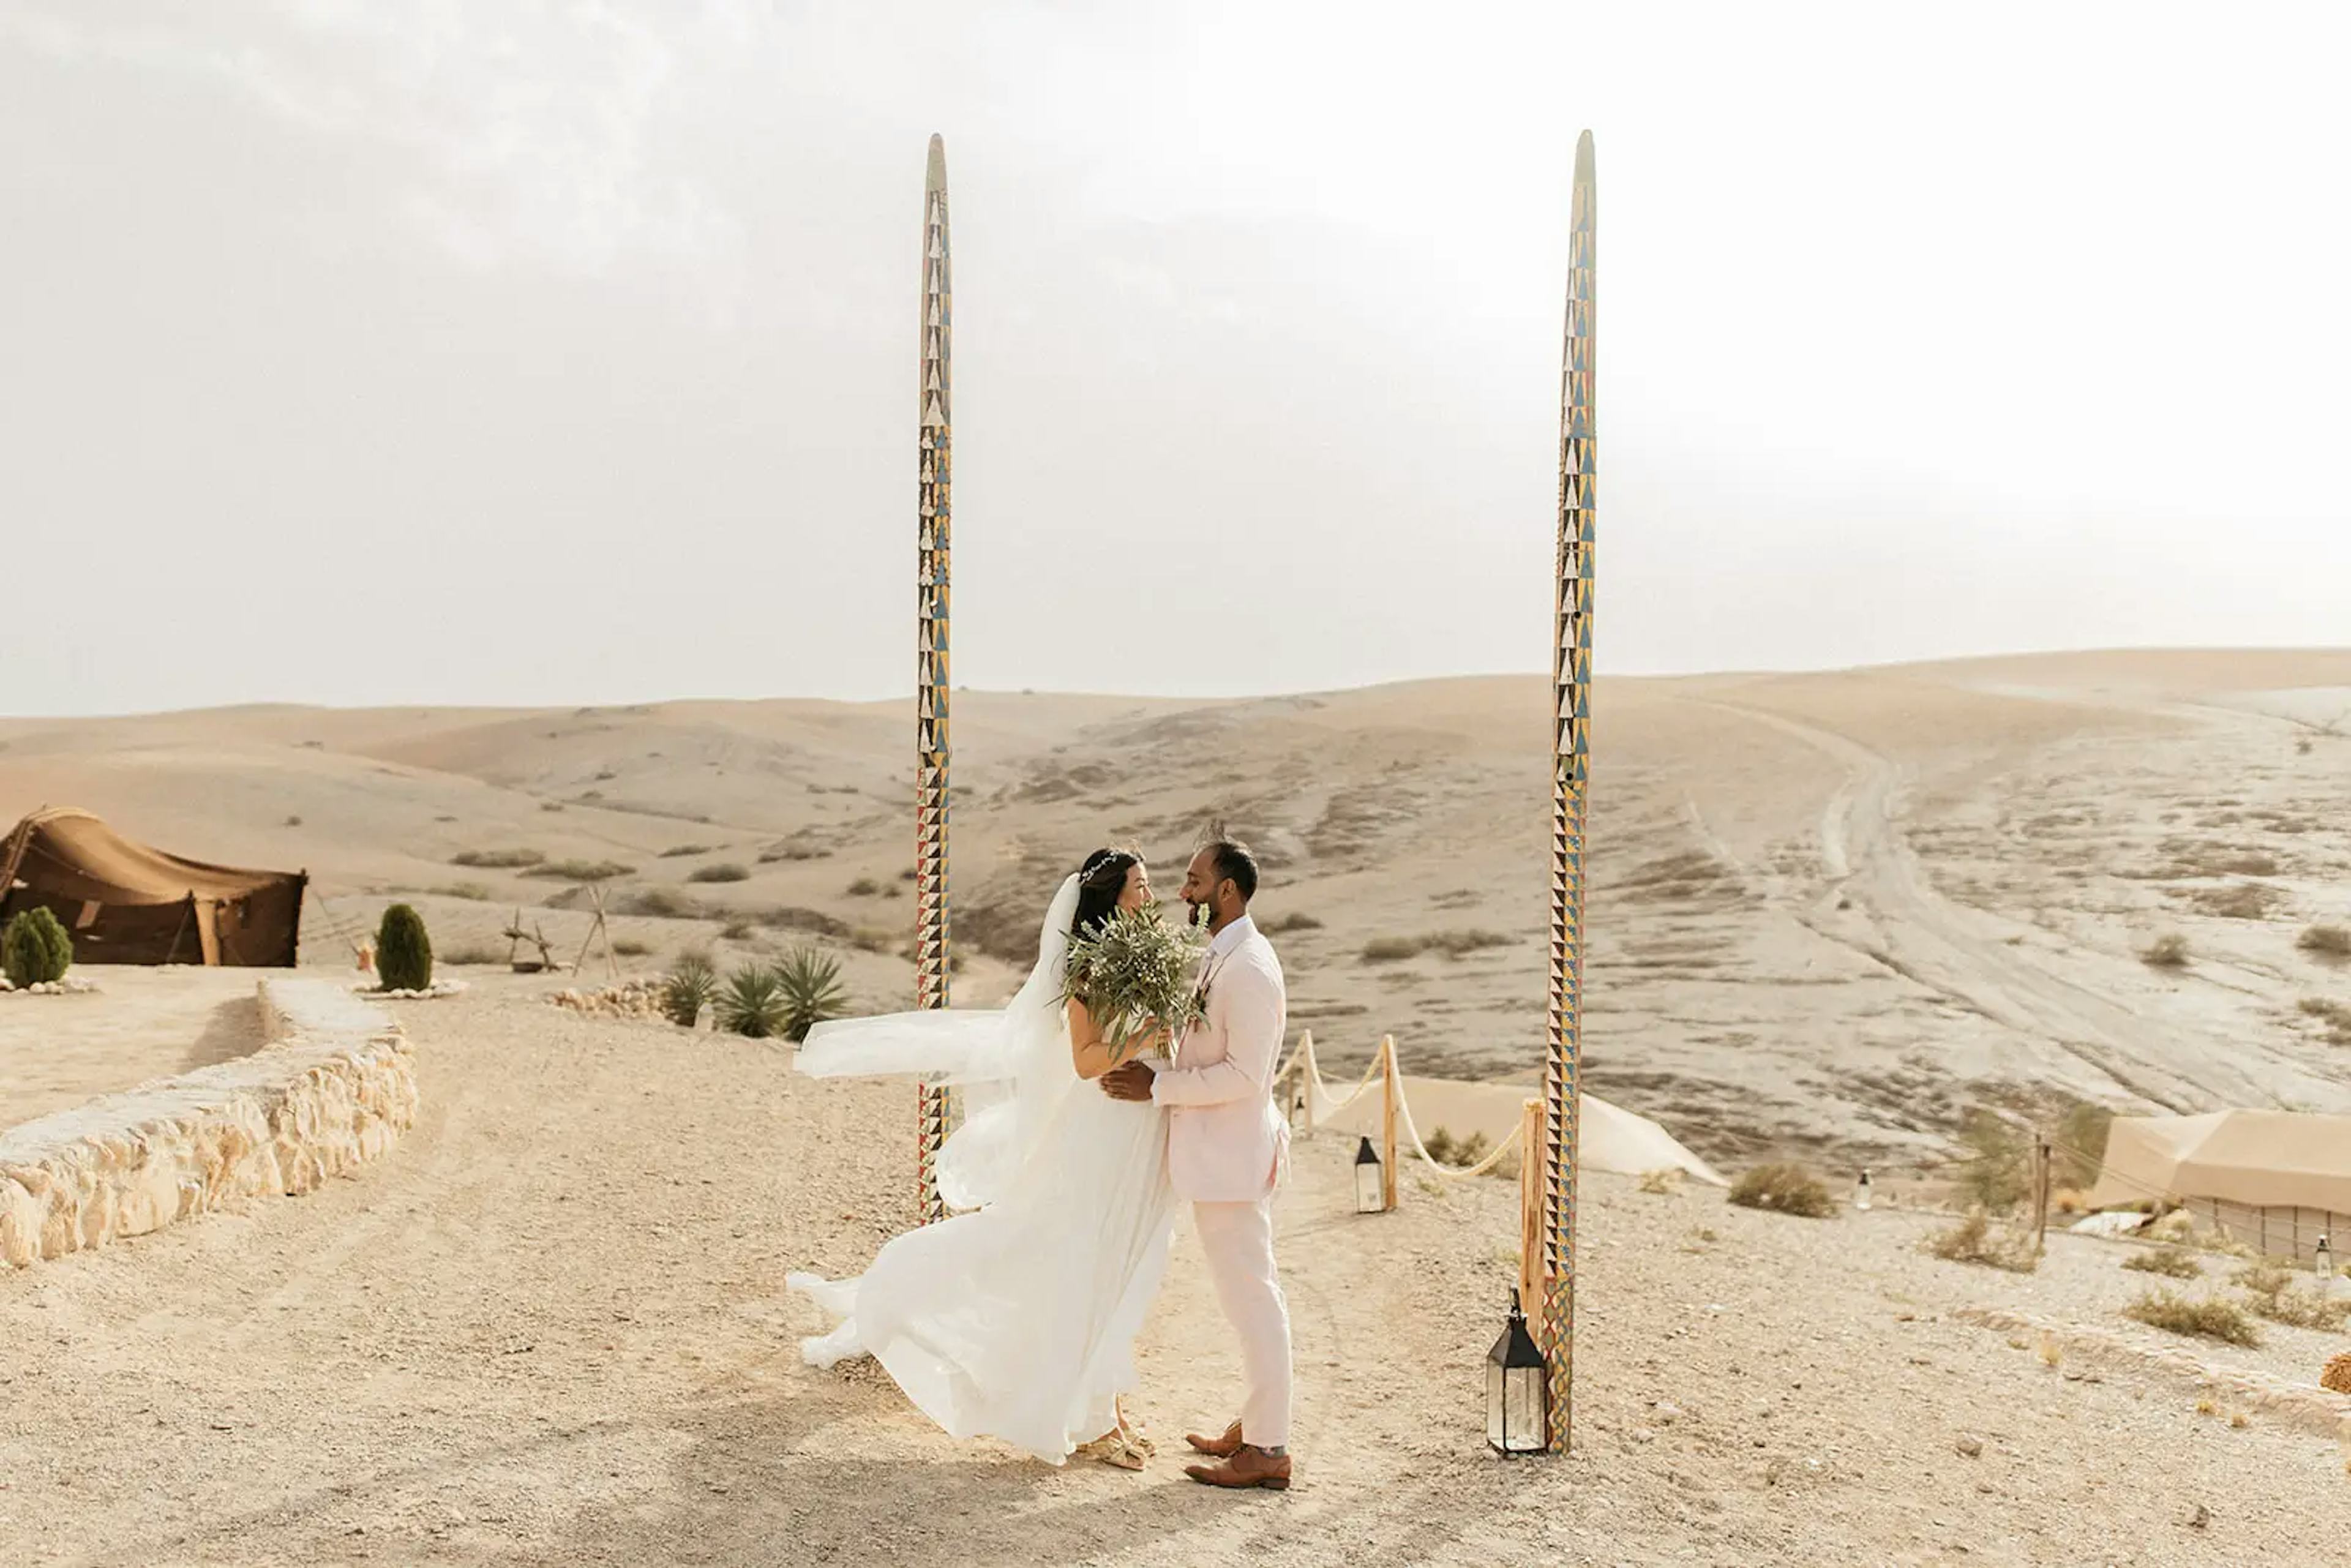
(1248, 1467)
(1223, 1447)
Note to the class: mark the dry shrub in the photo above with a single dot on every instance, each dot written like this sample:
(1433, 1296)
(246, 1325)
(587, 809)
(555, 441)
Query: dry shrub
(1296, 920)
(629, 948)
(496, 860)
(1452, 944)
(2326, 941)
(660, 902)
(1786, 1188)
(579, 871)
(2237, 901)
(2211, 1317)
(2337, 1376)
(724, 871)
(677, 852)
(1664, 1182)
(474, 953)
(2169, 951)
(2171, 1262)
(1972, 1241)
(2333, 1015)
(469, 890)
(2275, 1294)
(1447, 1150)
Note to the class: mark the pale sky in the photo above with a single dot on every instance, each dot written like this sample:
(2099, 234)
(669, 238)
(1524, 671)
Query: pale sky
(483, 352)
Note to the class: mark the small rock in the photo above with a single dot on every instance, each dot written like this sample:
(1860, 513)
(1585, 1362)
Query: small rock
(1669, 1412)
(1971, 1446)
(2201, 1516)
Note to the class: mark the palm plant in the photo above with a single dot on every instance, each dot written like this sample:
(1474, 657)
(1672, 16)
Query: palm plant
(752, 1003)
(692, 985)
(810, 984)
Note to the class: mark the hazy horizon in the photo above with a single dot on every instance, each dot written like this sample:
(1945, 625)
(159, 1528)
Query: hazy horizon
(492, 356)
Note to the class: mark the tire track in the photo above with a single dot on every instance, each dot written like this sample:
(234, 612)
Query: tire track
(1878, 900)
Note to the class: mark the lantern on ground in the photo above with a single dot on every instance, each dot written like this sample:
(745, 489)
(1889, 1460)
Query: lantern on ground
(1518, 1390)
(1371, 1183)
(2324, 1263)
(1861, 1193)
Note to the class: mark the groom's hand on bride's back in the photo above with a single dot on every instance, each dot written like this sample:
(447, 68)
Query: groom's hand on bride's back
(1131, 1081)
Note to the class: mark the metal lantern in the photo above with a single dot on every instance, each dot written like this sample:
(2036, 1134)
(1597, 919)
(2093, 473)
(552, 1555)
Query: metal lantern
(1862, 1192)
(1371, 1182)
(1518, 1390)
(2323, 1265)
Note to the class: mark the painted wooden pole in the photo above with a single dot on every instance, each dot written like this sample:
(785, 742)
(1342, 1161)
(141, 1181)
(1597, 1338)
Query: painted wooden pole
(931, 602)
(1571, 757)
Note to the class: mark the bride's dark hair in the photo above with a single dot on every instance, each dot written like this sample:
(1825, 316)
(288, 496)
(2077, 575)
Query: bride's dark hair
(1100, 881)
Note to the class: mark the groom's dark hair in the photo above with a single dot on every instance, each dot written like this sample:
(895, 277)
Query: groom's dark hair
(1234, 863)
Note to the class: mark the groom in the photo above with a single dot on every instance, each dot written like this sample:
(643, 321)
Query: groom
(1227, 1147)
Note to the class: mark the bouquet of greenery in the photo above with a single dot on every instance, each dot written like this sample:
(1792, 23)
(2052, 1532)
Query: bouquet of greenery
(1135, 976)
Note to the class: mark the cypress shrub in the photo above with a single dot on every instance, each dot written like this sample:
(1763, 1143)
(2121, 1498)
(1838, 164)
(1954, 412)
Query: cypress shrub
(35, 949)
(403, 953)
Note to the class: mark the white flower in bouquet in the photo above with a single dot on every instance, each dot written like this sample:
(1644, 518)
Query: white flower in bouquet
(1135, 976)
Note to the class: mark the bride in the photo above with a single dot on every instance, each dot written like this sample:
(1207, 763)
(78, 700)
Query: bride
(1017, 1321)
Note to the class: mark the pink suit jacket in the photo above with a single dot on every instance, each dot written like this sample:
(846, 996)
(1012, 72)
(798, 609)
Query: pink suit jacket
(1226, 1143)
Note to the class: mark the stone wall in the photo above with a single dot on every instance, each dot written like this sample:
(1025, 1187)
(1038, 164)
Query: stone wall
(333, 1089)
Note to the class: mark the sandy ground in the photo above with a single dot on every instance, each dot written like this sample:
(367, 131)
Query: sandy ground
(57, 1052)
(1828, 911)
(550, 1328)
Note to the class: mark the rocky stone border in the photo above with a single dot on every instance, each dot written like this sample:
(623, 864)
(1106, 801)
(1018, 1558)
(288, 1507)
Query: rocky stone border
(334, 1089)
(2306, 1405)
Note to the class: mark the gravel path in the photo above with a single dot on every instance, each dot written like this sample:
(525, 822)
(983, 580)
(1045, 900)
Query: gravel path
(550, 1328)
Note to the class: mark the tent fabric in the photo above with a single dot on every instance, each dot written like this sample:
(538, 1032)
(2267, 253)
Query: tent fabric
(125, 902)
(1609, 1138)
(2262, 1159)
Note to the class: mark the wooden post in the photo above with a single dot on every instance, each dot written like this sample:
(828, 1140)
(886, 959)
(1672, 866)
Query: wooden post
(1389, 1089)
(1531, 1207)
(2041, 1196)
(1306, 1076)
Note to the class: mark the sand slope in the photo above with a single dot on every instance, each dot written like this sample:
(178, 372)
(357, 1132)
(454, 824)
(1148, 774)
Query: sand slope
(551, 1329)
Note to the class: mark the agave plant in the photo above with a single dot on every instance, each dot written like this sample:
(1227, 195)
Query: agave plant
(692, 985)
(810, 984)
(751, 1003)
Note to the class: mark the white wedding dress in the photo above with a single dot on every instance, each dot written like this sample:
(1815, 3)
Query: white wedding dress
(1015, 1320)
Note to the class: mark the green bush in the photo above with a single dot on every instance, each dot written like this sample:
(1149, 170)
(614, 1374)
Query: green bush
(752, 1003)
(810, 985)
(692, 985)
(35, 949)
(403, 953)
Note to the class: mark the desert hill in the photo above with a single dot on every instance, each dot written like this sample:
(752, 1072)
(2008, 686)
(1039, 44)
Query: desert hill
(1828, 911)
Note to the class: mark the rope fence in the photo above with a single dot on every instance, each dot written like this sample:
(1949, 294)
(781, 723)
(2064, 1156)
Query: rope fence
(1402, 1133)
(1321, 1103)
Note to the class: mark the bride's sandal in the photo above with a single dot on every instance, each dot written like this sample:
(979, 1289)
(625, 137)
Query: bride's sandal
(1117, 1449)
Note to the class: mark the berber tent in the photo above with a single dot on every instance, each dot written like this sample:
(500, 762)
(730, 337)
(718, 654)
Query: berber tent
(124, 902)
